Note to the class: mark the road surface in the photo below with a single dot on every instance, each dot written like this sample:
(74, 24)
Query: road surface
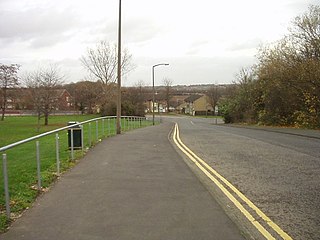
(279, 171)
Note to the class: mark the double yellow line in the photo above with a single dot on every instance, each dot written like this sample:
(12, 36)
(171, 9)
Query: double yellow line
(222, 183)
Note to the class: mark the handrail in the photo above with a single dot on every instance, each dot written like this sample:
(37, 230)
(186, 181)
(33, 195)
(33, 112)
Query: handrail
(2, 149)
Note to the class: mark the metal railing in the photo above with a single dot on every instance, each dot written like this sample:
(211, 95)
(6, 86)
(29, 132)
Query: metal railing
(102, 130)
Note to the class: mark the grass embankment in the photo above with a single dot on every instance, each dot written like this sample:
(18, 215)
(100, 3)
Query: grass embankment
(21, 160)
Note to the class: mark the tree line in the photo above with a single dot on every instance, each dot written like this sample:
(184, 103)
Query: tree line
(41, 85)
(97, 94)
(283, 87)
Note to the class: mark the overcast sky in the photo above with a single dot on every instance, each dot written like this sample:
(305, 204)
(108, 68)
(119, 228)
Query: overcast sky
(204, 41)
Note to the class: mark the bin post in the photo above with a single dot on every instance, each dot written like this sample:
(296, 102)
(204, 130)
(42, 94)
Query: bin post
(72, 144)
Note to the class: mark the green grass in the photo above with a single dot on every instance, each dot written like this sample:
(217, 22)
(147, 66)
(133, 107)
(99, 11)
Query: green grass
(13, 129)
(207, 116)
(21, 160)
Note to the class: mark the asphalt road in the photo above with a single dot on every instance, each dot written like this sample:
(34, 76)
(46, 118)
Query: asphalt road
(278, 170)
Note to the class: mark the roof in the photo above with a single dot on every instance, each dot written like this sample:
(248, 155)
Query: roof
(60, 92)
(193, 98)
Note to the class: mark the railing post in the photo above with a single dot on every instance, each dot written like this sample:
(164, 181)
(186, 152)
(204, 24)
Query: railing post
(38, 165)
(72, 144)
(108, 126)
(6, 186)
(57, 154)
(82, 140)
(103, 128)
(128, 123)
(97, 131)
(89, 134)
(132, 123)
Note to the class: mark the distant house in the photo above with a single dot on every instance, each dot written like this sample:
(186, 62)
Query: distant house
(21, 99)
(158, 106)
(64, 100)
(177, 103)
(197, 105)
(16, 100)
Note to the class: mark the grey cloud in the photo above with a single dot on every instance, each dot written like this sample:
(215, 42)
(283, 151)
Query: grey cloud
(141, 30)
(196, 46)
(46, 40)
(300, 6)
(250, 44)
(135, 31)
(35, 25)
(193, 69)
(196, 70)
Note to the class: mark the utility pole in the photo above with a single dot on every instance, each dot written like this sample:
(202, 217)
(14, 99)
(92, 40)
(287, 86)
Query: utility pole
(119, 74)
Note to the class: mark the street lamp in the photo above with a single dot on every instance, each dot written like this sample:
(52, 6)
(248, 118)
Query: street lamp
(153, 98)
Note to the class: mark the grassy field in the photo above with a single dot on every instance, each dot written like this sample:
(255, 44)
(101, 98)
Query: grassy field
(22, 166)
(13, 129)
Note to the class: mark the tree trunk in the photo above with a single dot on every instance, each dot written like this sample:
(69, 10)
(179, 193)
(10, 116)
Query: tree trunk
(4, 103)
(39, 116)
(2, 114)
(46, 119)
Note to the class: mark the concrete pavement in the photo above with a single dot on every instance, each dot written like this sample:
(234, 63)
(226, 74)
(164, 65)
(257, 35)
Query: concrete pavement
(132, 186)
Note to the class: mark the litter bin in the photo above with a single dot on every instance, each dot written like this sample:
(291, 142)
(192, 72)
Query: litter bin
(77, 136)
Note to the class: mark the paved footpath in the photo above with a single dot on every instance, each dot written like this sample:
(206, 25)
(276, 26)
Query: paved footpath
(132, 186)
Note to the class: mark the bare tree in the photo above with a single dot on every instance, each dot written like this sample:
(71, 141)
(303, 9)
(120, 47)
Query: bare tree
(8, 79)
(87, 95)
(214, 94)
(168, 91)
(43, 84)
(102, 61)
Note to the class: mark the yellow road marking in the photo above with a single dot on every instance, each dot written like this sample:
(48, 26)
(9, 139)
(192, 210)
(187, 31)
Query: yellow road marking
(205, 168)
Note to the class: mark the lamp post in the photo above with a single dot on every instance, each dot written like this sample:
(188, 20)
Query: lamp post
(153, 98)
(119, 74)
